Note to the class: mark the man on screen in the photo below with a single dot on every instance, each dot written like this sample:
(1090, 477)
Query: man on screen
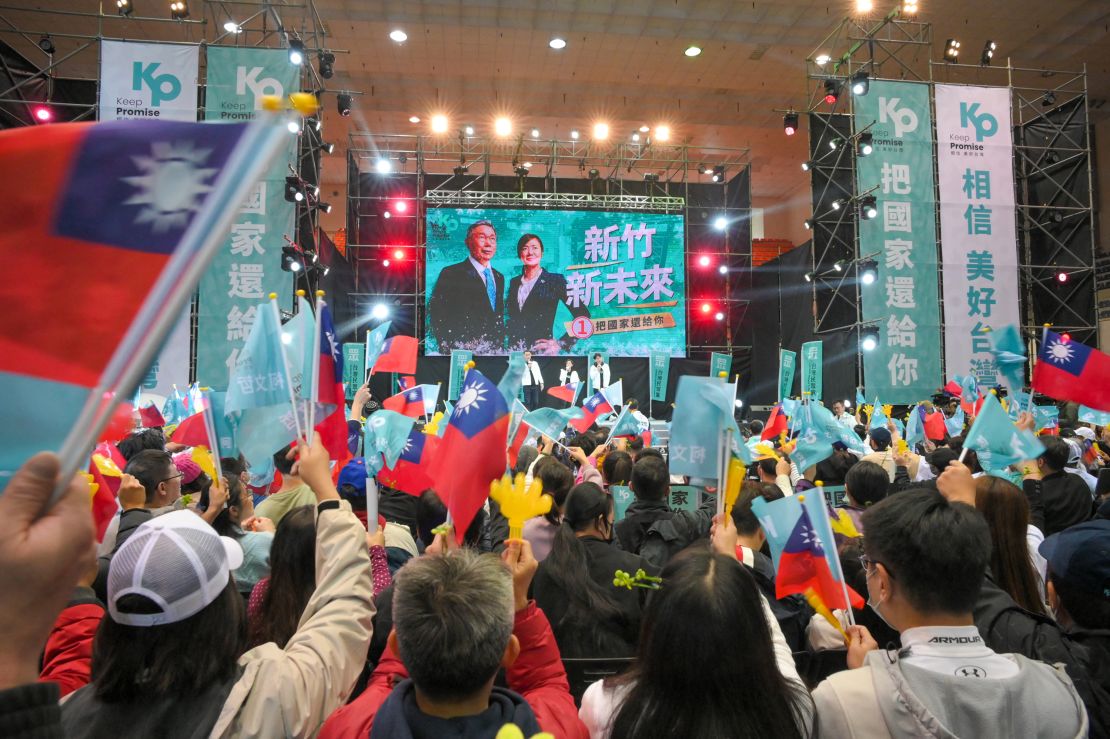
(468, 302)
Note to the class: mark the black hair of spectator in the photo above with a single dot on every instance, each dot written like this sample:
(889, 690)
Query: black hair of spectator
(650, 479)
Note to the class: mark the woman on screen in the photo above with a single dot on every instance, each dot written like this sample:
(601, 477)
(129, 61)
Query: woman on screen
(534, 297)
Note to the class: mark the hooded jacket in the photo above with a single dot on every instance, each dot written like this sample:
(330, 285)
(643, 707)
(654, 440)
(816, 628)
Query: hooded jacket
(400, 718)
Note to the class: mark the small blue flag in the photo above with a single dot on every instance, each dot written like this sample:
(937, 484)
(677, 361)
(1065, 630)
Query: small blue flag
(551, 421)
(955, 424)
(1009, 355)
(375, 340)
(386, 434)
(997, 441)
(1090, 415)
(915, 427)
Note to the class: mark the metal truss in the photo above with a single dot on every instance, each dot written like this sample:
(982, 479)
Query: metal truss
(580, 201)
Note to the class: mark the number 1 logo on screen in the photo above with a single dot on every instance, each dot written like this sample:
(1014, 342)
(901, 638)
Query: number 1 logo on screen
(582, 328)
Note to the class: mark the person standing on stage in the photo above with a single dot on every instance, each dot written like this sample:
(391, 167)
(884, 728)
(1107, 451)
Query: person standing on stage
(599, 373)
(568, 374)
(467, 306)
(532, 382)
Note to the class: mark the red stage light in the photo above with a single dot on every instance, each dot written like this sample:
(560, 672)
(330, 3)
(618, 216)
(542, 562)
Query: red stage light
(1065, 337)
(706, 307)
(43, 114)
(398, 254)
(790, 130)
(703, 260)
(830, 99)
(1062, 276)
(400, 206)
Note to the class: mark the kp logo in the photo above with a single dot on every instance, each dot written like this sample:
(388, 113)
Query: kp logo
(245, 79)
(904, 119)
(163, 87)
(985, 124)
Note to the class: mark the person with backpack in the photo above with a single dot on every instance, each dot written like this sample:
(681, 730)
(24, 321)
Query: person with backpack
(650, 528)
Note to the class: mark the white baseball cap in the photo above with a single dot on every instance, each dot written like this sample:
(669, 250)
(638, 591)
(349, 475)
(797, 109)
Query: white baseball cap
(1086, 433)
(177, 561)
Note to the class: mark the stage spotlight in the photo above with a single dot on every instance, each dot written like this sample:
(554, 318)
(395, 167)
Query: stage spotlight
(294, 126)
(319, 270)
(834, 143)
(807, 165)
(233, 27)
(951, 50)
(601, 131)
(719, 173)
(385, 262)
(790, 124)
(414, 119)
(706, 308)
(398, 253)
(42, 113)
(294, 193)
(704, 260)
(343, 104)
(808, 223)
(535, 133)
(557, 43)
(387, 214)
(379, 312)
(326, 63)
(469, 130)
(867, 207)
(644, 129)
(832, 91)
(326, 207)
(400, 206)
(864, 6)
(861, 82)
(1048, 99)
(296, 51)
(909, 7)
(521, 171)
(719, 316)
(868, 270)
(327, 148)
(838, 265)
(809, 277)
(1061, 276)
(821, 60)
(692, 51)
(869, 338)
(124, 7)
(314, 123)
(290, 259)
(988, 53)
(662, 133)
(723, 269)
(47, 45)
(865, 144)
(439, 123)
(502, 127)
(179, 10)
(460, 170)
(720, 223)
(574, 135)
(651, 178)
(383, 166)
(837, 204)
(635, 138)
(399, 36)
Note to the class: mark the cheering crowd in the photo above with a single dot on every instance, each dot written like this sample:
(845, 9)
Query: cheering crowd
(323, 605)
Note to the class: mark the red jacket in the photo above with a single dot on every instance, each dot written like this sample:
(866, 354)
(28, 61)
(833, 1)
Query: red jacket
(537, 674)
(67, 659)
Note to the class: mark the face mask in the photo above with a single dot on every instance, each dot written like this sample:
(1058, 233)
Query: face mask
(875, 607)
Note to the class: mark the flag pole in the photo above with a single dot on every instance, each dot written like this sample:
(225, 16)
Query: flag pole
(1032, 392)
(314, 392)
(285, 369)
(210, 428)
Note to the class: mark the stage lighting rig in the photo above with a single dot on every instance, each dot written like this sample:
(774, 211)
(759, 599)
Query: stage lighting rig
(832, 91)
(868, 209)
(343, 104)
(294, 189)
(326, 64)
(790, 123)
(865, 143)
(47, 45)
(868, 271)
(179, 10)
(988, 53)
(719, 173)
(861, 82)
(869, 338)
(296, 52)
(807, 165)
(124, 7)
(291, 259)
(951, 51)
(808, 223)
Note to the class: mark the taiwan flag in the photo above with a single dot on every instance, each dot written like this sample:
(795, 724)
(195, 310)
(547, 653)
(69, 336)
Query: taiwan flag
(406, 382)
(1068, 370)
(408, 403)
(410, 474)
(472, 451)
(598, 405)
(568, 392)
(776, 424)
(518, 431)
(108, 227)
(151, 417)
(398, 355)
(803, 548)
(328, 392)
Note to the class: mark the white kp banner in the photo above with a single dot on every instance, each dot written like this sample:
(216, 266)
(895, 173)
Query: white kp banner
(148, 81)
(977, 224)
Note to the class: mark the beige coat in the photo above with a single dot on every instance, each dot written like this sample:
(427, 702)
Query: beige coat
(289, 692)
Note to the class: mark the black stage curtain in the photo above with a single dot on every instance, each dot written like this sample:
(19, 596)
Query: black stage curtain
(632, 370)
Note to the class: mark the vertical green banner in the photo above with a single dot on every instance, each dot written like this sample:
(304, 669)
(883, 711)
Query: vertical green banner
(660, 369)
(788, 362)
(353, 357)
(719, 363)
(248, 267)
(812, 359)
(459, 358)
(903, 302)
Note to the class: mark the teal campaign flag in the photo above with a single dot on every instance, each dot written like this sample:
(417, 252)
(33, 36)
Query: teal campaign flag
(226, 428)
(385, 435)
(860, 400)
(995, 439)
(622, 498)
(703, 410)
(551, 421)
(878, 415)
(811, 368)
(904, 300)
(1009, 354)
(448, 409)
(915, 426)
(824, 419)
(510, 384)
(718, 363)
(625, 425)
(788, 362)
(969, 388)
(955, 424)
(1019, 401)
(789, 407)
(173, 410)
(375, 340)
(459, 358)
(813, 445)
(1090, 415)
(1046, 416)
(354, 356)
(259, 391)
(660, 368)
